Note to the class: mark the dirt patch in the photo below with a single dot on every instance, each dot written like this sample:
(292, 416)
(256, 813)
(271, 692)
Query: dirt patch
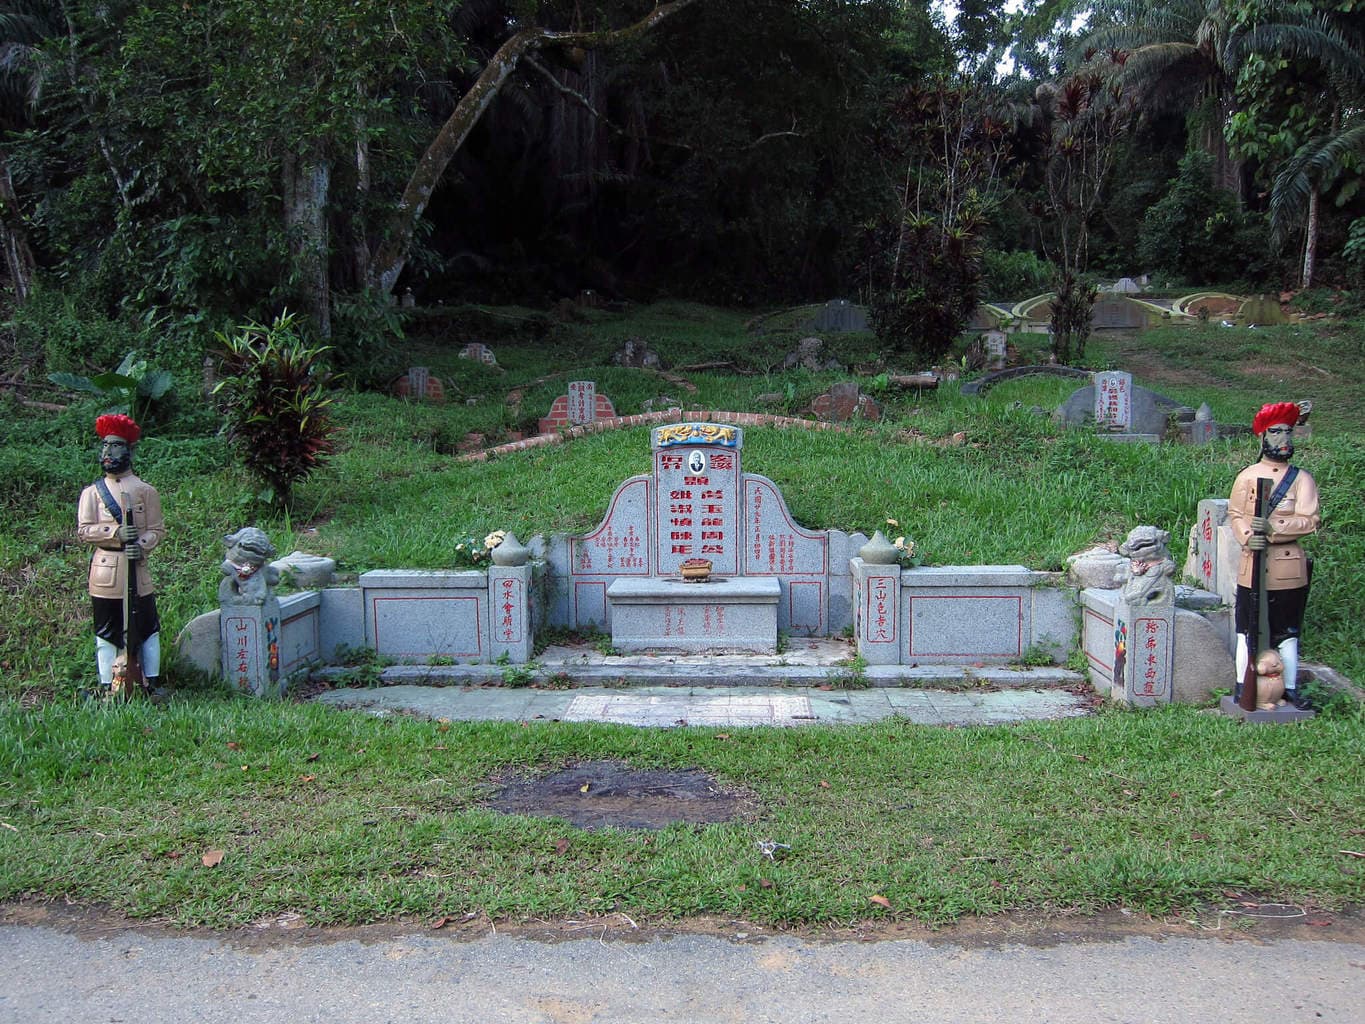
(606, 794)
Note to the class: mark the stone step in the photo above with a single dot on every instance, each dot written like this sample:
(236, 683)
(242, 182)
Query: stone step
(805, 663)
(733, 706)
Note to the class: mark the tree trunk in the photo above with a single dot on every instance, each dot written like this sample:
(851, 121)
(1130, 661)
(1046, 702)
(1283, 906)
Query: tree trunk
(393, 251)
(307, 178)
(1310, 241)
(19, 261)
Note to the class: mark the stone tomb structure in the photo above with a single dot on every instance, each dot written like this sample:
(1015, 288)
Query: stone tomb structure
(768, 573)
(582, 404)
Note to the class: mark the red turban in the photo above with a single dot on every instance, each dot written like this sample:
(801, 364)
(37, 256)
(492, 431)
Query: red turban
(1275, 414)
(118, 425)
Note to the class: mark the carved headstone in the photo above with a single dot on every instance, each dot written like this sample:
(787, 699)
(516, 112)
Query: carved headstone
(583, 404)
(1114, 400)
(839, 316)
(479, 353)
(636, 354)
(250, 613)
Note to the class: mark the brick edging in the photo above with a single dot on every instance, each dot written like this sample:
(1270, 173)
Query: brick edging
(675, 415)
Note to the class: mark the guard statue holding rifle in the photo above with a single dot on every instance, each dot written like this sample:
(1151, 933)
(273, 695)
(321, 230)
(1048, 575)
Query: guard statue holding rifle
(1274, 573)
(121, 516)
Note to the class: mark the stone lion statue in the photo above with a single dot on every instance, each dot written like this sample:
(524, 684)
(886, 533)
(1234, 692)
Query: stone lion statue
(1150, 568)
(248, 575)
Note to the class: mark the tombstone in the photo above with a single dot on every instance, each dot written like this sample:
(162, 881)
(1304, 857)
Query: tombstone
(409, 300)
(1126, 286)
(637, 355)
(996, 345)
(840, 316)
(1261, 311)
(1114, 401)
(479, 353)
(766, 571)
(844, 401)
(1203, 429)
(1149, 415)
(419, 384)
(1114, 312)
(1144, 623)
(809, 355)
(580, 406)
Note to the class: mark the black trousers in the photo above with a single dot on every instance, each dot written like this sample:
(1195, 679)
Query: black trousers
(1286, 613)
(109, 618)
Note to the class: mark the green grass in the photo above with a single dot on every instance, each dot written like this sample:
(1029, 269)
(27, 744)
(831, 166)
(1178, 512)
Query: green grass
(1070, 815)
(344, 818)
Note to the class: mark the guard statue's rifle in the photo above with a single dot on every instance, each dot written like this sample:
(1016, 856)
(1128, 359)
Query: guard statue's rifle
(1258, 628)
(128, 665)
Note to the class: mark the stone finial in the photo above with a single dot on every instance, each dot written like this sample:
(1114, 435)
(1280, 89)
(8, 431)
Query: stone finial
(248, 576)
(1150, 568)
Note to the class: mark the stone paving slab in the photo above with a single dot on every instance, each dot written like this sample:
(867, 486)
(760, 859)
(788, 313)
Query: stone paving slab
(713, 706)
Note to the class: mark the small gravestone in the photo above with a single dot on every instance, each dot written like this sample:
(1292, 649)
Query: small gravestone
(842, 402)
(581, 405)
(1203, 429)
(1126, 286)
(409, 300)
(840, 316)
(1114, 401)
(1149, 413)
(809, 355)
(419, 384)
(637, 355)
(996, 348)
(479, 353)
(1261, 311)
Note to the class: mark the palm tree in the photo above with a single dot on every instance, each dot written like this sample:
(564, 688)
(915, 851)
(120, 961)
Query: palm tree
(1187, 54)
(23, 73)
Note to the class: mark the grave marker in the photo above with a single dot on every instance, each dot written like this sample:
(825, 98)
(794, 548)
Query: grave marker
(1114, 400)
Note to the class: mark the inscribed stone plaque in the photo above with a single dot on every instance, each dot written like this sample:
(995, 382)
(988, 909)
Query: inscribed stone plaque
(1114, 400)
(618, 547)
(696, 471)
(582, 401)
(421, 624)
(1116, 312)
(936, 626)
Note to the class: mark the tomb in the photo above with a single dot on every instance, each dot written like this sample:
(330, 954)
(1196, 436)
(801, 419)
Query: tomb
(766, 573)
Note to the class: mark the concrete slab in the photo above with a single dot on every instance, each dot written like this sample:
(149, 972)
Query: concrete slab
(730, 707)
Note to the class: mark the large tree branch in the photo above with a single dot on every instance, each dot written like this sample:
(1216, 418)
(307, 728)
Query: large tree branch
(393, 251)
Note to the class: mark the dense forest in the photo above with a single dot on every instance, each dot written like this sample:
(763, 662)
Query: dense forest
(169, 169)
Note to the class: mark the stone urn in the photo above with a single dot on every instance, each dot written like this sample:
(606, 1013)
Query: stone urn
(879, 551)
(511, 551)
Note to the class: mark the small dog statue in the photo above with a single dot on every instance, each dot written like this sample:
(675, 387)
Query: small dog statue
(248, 574)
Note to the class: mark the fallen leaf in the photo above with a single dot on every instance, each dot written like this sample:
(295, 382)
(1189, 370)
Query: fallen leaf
(741, 888)
(722, 735)
(1319, 922)
(307, 778)
(440, 922)
(443, 727)
(1218, 792)
(584, 788)
(881, 901)
(212, 859)
(765, 883)
(174, 855)
(246, 767)
(233, 745)
(1199, 837)
(824, 784)
(562, 847)
(312, 757)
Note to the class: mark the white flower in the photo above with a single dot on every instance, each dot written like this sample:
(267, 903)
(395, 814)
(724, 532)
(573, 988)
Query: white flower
(899, 542)
(494, 539)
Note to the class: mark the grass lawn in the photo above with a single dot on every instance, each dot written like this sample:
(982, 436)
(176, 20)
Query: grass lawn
(342, 817)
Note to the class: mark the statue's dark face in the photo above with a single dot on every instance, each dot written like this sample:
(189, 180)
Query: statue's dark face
(1277, 443)
(116, 456)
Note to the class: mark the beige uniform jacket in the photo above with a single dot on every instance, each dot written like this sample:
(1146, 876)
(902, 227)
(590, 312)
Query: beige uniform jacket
(1295, 516)
(94, 525)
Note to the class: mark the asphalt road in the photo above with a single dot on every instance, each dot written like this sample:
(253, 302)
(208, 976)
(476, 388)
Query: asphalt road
(84, 969)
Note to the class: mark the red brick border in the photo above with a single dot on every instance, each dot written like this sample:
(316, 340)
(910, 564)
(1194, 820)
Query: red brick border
(740, 419)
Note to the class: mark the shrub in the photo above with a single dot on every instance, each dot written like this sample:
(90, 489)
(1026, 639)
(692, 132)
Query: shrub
(275, 399)
(1014, 274)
